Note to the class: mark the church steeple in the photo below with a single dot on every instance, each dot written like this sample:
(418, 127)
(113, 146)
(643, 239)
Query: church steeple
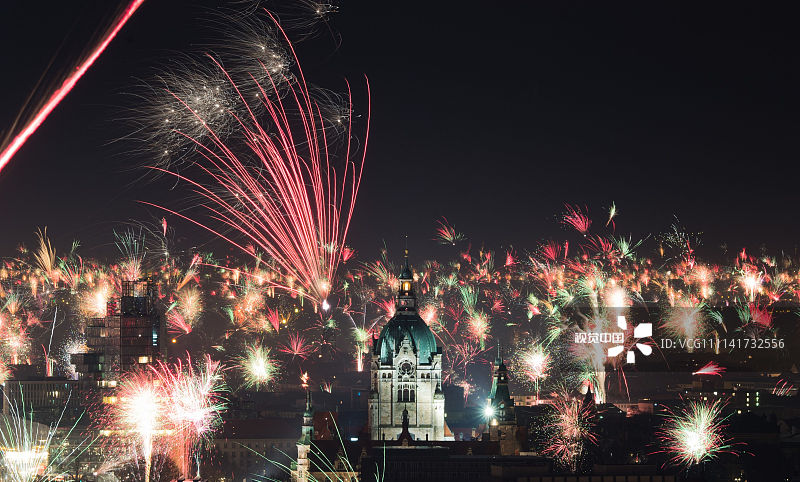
(406, 299)
(301, 473)
(307, 433)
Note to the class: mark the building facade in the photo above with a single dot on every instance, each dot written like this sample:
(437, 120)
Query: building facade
(406, 374)
(130, 336)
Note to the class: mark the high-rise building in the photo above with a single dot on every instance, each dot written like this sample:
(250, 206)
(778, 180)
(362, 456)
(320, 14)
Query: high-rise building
(406, 374)
(132, 334)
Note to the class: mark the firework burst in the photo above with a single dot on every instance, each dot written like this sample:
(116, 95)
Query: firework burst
(141, 410)
(572, 424)
(258, 367)
(694, 434)
(195, 396)
(292, 202)
(534, 362)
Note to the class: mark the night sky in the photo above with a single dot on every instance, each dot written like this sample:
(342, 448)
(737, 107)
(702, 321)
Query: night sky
(491, 116)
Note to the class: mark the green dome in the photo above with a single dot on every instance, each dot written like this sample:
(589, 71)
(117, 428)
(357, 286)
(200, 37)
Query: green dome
(406, 324)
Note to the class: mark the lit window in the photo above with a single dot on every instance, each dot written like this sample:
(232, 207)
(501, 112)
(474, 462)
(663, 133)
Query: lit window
(406, 286)
(144, 359)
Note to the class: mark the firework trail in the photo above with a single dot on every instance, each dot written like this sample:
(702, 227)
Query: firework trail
(694, 434)
(577, 219)
(31, 451)
(292, 203)
(710, 368)
(783, 389)
(10, 148)
(447, 234)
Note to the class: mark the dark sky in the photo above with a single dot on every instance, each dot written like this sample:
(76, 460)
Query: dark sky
(493, 116)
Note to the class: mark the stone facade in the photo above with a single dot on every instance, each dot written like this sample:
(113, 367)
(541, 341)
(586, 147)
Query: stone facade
(407, 384)
(406, 374)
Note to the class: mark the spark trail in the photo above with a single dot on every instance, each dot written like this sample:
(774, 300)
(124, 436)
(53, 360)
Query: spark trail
(69, 83)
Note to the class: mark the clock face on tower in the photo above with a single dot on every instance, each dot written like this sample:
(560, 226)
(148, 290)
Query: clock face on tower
(406, 368)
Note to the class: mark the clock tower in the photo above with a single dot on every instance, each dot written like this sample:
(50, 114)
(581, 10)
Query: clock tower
(406, 374)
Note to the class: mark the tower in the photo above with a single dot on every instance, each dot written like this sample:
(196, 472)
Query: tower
(406, 373)
(304, 443)
(500, 408)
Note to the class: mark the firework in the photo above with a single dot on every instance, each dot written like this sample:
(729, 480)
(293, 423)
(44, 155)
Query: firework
(534, 361)
(31, 451)
(94, 303)
(186, 311)
(140, 410)
(46, 258)
(132, 246)
(447, 234)
(5, 372)
(571, 426)
(258, 366)
(694, 434)
(298, 346)
(10, 148)
(293, 203)
(74, 344)
(577, 219)
(710, 368)
(612, 213)
(195, 402)
(685, 319)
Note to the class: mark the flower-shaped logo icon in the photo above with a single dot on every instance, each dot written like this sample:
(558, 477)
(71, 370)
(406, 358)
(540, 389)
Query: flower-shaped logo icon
(642, 330)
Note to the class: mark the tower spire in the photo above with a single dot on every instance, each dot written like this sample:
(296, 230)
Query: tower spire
(406, 299)
(406, 268)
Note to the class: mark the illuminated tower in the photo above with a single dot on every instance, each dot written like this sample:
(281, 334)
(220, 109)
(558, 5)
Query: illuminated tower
(406, 373)
(503, 417)
(304, 444)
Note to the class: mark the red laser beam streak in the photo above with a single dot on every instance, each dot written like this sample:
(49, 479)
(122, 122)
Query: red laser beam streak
(67, 86)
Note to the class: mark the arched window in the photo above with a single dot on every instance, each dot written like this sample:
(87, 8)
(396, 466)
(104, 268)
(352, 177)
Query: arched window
(412, 395)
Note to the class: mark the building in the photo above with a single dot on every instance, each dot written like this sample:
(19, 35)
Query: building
(501, 413)
(254, 449)
(406, 374)
(131, 335)
(47, 400)
(303, 467)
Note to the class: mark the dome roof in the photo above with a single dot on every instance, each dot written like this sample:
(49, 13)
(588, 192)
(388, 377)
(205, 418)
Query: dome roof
(406, 324)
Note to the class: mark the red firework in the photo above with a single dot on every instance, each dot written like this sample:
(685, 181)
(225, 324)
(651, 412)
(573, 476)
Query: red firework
(710, 368)
(292, 202)
(9, 149)
(577, 219)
